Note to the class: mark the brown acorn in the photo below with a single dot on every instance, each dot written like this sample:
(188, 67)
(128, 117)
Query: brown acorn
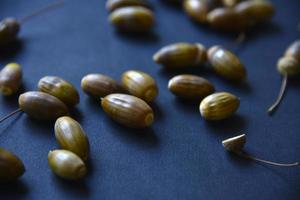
(10, 79)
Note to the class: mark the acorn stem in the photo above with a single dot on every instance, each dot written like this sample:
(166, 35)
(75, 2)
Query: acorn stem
(41, 11)
(268, 162)
(237, 41)
(10, 114)
(280, 96)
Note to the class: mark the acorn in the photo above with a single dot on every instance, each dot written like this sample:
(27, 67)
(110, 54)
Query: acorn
(10, 79)
(112, 5)
(11, 167)
(9, 29)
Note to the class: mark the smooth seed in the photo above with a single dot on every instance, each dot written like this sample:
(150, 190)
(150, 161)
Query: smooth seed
(70, 136)
(190, 87)
(128, 110)
(9, 29)
(140, 84)
(288, 65)
(66, 164)
(10, 79)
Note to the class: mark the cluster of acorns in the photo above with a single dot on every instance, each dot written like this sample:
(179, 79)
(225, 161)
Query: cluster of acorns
(229, 15)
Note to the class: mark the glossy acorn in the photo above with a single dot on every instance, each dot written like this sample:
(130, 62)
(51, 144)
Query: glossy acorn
(140, 84)
(132, 19)
(10, 79)
(227, 19)
(11, 167)
(294, 50)
(226, 64)
(180, 55)
(191, 87)
(66, 164)
(128, 110)
(99, 85)
(197, 9)
(112, 5)
(288, 65)
(70, 136)
(256, 10)
(59, 88)
(42, 106)
(9, 29)
(219, 106)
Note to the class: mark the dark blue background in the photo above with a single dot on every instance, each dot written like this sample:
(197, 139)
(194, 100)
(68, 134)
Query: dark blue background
(180, 156)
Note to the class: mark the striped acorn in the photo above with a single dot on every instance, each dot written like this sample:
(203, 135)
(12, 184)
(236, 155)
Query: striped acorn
(190, 87)
(42, 106)
(219, 106)
(227, 19)
(112, 5)
(132, 19)
(256, 10)
(140, 84)
(294, 50)
(11, 167)
(226, 64)
(128, 110)
(66, 164)
(9, 29)
(70, 136)
(59, 88)
(99, 85)
(180, 55)
(10, 79)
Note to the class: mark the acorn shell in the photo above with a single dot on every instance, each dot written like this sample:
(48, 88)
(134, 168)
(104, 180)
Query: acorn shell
(190, 87)
(11, 167)
(10, 79)
(59, 88)
(197, 10)
(180, 55)
(70, 136)
(128, 110)
(132, 19)
(219, 106)
(99, 85)
(226, 64)
(42, 106)
(66, 164)
(140, 84)
(9, 29)
(288, 65)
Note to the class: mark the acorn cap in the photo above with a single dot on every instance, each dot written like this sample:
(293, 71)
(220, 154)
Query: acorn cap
(235, 144)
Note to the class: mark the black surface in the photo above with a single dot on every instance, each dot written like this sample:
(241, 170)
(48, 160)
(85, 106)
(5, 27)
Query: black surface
(180, 156)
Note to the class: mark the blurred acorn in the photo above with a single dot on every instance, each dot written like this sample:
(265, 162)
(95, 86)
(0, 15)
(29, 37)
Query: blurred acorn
(10, 79)
(112, 5)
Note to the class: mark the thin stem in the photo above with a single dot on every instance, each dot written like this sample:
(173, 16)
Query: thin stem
(268, 162)
(280, 96)
(239, 39)
(10, 114)
(42, 10)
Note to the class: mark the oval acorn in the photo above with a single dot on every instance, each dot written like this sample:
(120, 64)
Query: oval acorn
(11, 167)
(99, 85)
(219, 106)
(112, 5)
(226, 64)
(190, 86)
(288, 65)
(66, 164)
(227, 19)
(132, 19)
(128, 110)
(10, 79)
(9, 29)
(256, 10)
(70, 136)
(42, 106)
(59, 88)
(181, 55)
(140, 84)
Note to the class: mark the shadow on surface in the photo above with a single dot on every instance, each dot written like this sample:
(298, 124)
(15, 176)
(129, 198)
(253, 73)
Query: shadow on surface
(13, 190)
(9, 51)
(78, 188)
(145, 137)
(143, 38)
